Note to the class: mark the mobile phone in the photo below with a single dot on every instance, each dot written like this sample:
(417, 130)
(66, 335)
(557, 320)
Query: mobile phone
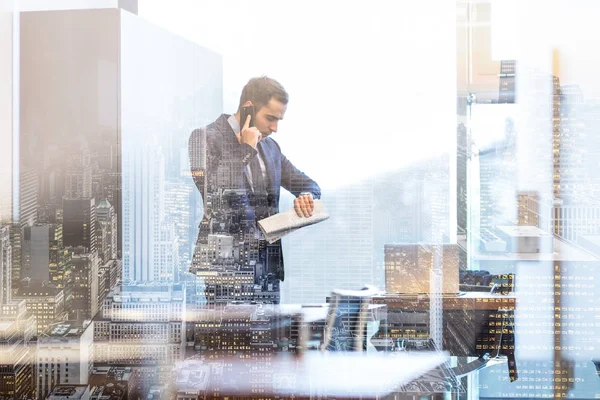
(244, 112)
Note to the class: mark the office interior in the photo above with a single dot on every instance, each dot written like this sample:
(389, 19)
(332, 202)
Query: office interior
(456, 145)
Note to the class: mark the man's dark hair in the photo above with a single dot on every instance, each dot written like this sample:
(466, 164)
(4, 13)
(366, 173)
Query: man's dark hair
(262, 89)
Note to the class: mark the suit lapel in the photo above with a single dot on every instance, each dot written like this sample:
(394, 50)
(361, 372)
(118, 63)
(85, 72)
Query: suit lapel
(248, 180)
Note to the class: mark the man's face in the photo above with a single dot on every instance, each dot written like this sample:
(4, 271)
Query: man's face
(269, 116)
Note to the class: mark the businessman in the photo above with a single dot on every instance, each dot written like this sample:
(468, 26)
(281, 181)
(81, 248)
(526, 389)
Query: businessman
(239, 170)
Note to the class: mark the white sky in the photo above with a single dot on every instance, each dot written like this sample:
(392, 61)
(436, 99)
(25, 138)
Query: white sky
(372, 84)
(531, 30)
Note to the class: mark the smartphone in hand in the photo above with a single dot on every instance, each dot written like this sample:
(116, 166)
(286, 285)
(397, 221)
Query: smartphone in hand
(244, 112)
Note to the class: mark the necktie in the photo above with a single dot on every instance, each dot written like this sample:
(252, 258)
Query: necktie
(258, 181)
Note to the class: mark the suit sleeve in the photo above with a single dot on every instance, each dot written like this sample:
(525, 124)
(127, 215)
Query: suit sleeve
(199, 159)
(297, 181)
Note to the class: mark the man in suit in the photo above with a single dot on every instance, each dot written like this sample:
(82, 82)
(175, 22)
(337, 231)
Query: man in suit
(239, 171)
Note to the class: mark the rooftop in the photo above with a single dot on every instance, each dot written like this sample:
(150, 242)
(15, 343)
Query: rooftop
(192, 376)
(38, 289)
(66, 329)
(70, 392)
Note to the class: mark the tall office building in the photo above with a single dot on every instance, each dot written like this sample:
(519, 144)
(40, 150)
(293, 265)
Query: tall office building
(64, 356)
(28, 197)
(114, 196)
(591, 115)
(83, 285)
(179, 211)
(142, 326)
(568, 218)
(5, 265)
(239, 336)
(571, 143)
(113, 270)
(79, 223)
(45, 301)
(557, 149)
(107, 219)
(410, 268)
(430, 269)
(507, 81)
(17, 329)
(167, 257)
(556, 285)
(78, 175)
(229, 259)
(463, 153)
(42, 252)
(143, 213)
(28, 216)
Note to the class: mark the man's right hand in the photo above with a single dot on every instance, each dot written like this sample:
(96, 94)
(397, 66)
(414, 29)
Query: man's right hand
(250, 135)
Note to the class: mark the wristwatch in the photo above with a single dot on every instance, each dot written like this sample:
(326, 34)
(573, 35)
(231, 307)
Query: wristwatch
(307, 194)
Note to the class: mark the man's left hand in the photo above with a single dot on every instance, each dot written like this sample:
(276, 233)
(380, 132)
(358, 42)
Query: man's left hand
(304, 205)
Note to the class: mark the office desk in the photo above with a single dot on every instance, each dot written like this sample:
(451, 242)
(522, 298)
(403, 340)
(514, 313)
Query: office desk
(473, 324)
(314, 374)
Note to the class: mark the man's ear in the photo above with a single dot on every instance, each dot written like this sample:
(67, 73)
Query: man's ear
(247, 103)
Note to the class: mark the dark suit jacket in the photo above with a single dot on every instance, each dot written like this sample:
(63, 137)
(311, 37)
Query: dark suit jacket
(218, 165)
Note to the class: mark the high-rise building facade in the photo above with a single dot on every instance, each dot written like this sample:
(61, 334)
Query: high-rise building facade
(83, 284)
(64, 356)
(179, 208)
(42, 252)
(5, 265)
(141, 326)
(17, 352)
(507, 81)
(45, 301)
(143, 213)
(78, 175)
(28, 216)
(79, 223)
(107, 221)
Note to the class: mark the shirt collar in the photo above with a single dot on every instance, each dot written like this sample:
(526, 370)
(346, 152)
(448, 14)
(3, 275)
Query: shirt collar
(234, 124)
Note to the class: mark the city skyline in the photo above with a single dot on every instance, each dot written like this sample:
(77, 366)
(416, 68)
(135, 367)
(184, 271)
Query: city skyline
(96, 296)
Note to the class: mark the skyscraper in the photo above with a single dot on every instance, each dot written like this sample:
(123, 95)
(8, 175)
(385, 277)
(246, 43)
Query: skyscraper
(83, 285)
(17, 328)
(179, 211)
(571, 144)
(64, 355)
(28, 203)
(143, 212)
(79, 223)
(507, 81)
(46, 302)
(41, 251)
(142, 326)
(107, 219)
(78, 175)
(28, 197)
(5, 265)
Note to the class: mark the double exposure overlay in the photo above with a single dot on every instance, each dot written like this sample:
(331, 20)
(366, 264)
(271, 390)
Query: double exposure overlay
(270, 200)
